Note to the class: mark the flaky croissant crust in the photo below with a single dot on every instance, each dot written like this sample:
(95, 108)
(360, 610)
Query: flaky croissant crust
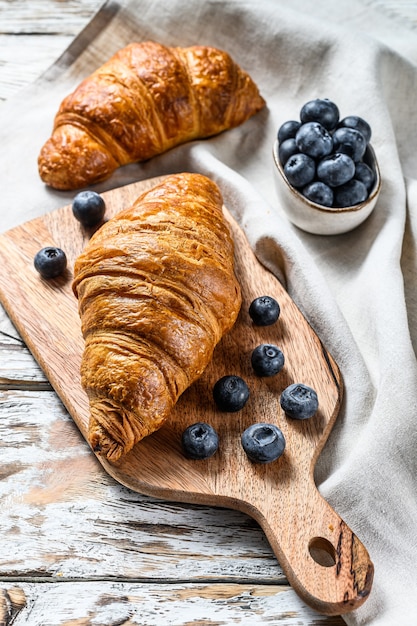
(157, 291)
(145, 100)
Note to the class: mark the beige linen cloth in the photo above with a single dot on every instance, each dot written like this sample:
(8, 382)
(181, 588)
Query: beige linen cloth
(358, 290)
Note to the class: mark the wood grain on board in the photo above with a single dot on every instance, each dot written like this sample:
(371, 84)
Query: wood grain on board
(322, 558)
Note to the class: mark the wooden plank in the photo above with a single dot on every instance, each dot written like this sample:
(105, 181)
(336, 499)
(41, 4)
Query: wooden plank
(21, 372)
(8, 333)
(15, 50)
(18, 368)
(120, 603)
(63, 516)
(34, 34)
(49, 17)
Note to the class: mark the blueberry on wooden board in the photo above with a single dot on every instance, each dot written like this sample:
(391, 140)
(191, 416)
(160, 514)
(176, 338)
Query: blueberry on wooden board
(267, 360)
(231, 393)
(88, 208)
(263, 443)
(299, 401)
(50, 262)
(264, 311)
(199, 441)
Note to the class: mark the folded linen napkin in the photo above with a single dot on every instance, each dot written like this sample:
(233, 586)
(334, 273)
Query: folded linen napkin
(358, 289)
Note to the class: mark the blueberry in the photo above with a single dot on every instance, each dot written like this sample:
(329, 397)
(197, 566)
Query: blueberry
(300, 170)
(50, 262)
(230, 393)
(320, 110)
(365, 174)
(357, 123)
(264, 311)
(336, 169)
(286, 149)
(199, 441)
(319, 192)
(350, 142)
(288, 130)
(351, 193)
(314, 140)
(299, 401)
(267, 360)
(263, 443)
(88, 208)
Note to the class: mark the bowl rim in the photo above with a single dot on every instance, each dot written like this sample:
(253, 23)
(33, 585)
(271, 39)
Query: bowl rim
(332, 210)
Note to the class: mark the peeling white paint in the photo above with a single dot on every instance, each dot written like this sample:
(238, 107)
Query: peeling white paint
(115, 604)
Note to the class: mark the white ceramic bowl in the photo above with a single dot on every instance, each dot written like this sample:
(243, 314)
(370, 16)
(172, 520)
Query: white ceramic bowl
(317, 219)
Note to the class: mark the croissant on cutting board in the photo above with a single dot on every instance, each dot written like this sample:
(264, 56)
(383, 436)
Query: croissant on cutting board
(145, 100)
(156, 292)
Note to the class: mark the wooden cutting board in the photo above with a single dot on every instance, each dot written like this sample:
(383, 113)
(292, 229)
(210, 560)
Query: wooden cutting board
(322, 558)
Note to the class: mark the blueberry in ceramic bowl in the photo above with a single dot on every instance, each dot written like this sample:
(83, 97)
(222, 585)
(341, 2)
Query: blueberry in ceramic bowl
(329, 182)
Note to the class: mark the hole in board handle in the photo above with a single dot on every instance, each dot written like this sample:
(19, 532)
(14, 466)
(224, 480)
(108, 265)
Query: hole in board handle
(322, 552)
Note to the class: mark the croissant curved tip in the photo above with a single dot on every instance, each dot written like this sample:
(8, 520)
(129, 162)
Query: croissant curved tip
(103, 445)
(71, 159)
(113, 429)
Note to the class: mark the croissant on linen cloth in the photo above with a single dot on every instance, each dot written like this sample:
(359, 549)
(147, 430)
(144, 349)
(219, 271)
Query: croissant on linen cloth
(145, 100)
(156, 291)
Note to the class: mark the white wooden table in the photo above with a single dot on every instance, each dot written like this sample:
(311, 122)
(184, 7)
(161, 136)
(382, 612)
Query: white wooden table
(76, 547)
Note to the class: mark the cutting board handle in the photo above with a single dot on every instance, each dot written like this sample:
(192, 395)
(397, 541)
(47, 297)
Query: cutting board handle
(323, 559)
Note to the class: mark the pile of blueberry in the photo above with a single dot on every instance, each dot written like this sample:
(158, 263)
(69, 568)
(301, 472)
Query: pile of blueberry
(323, 156)
(262, 442)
